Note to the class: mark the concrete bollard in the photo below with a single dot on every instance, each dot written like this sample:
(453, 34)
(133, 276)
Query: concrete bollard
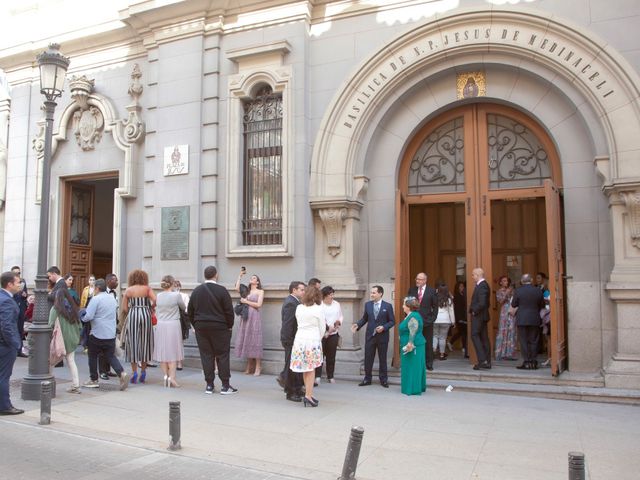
(174, 425)
(45, 403)
(353, 452)
(576, 466)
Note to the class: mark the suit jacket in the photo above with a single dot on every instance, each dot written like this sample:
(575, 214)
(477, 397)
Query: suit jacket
(480, 301)
(386, 319)
(529, 300)
(9, 312)
(52, 294)
(21, 298)
(429, 304)
(210, 307)
(289, 322)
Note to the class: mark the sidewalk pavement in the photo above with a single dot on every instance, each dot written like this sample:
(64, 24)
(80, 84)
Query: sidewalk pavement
(456, 435)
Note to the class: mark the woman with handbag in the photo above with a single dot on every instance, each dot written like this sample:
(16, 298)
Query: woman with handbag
(138, 302)
(65, 313)
(248, 342)
(168, 348)
(446, 319)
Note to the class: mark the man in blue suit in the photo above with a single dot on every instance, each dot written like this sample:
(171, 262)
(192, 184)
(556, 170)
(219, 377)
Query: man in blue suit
(10, 341)
(378, 315)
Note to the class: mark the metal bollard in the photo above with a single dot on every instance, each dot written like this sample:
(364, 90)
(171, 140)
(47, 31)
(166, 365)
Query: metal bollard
(45, 403)
(576, 466)
(353, 452)
(174, 425)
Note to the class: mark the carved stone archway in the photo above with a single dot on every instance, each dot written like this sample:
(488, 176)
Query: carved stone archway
(534, 42)
(127, 134)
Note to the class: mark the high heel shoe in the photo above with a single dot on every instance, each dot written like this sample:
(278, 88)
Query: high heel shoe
(143, 376)
(172, 383)
(165, 381)
(134, 377)
(309, 401)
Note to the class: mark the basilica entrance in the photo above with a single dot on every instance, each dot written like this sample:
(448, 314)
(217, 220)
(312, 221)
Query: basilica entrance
(478, 187)
(87, 227)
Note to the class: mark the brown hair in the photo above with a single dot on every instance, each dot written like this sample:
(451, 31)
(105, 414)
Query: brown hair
(312, 296)
(137, 277)
(167, 282)
(412, 303)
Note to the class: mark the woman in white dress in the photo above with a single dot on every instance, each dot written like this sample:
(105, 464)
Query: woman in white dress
(306, 354)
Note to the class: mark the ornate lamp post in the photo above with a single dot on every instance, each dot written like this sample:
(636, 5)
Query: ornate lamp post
(53, 68)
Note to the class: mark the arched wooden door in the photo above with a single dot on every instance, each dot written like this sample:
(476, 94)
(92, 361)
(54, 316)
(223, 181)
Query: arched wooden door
(479, 186)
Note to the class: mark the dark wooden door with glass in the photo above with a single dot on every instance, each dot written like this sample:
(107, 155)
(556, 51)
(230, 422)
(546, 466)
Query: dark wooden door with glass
(477, 186)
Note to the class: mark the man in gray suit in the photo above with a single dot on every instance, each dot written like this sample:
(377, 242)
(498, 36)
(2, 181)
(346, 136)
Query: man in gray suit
(527, 302)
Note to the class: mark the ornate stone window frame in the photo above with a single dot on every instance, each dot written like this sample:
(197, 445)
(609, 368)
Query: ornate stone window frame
(257, 66)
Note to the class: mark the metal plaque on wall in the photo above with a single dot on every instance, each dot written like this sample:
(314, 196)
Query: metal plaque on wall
(175, 233)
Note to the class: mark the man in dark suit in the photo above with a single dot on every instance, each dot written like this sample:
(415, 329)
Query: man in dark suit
(210, 312)
(21, 300)
(379, 318)
(428, 311)
(528, 300)
(290, 381)
(10, 340)
(479, 310)
(56, 279)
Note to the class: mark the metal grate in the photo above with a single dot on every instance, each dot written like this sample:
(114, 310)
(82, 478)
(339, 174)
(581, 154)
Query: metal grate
(438, 165)
(262, 219)
(516, 156)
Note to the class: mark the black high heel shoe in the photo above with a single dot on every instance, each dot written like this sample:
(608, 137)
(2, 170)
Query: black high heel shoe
(309, 401)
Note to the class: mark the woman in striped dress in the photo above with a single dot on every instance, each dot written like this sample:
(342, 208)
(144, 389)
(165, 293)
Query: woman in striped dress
(138, 303)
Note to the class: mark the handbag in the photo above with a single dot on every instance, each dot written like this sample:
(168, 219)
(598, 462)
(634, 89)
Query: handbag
(154, 319)
(56, 349)
(184, 324)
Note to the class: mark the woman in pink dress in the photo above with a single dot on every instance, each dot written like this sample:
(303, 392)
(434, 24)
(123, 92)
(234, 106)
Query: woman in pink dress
(249, 336)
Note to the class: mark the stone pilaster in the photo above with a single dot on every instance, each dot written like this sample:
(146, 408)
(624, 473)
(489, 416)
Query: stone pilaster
(623, 288)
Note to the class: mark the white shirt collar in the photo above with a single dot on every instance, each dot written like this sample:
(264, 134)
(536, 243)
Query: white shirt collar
(210, 281)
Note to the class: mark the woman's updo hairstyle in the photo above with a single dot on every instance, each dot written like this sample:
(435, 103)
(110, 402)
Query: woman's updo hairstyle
(167, 282)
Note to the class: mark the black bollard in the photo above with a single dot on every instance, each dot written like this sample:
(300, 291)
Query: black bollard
(45, 403)
(576, 466)
(353, 452)
(174, 425)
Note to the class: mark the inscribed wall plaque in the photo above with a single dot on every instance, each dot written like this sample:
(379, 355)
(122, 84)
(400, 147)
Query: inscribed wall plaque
(175, 233)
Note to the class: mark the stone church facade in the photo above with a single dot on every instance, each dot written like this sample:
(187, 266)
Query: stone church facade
(296, 138)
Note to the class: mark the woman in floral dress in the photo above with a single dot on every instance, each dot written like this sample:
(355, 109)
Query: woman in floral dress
(506, 337)
(306, 354)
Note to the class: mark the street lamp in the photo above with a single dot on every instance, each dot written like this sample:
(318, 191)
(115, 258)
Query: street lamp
(53, 68)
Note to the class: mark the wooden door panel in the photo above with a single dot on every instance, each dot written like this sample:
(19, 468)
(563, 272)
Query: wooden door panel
(501, 229)
(78, 233)
(556, 278)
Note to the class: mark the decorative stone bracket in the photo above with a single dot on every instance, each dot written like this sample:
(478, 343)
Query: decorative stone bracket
(631, 200)
(91, 112)
(333, 221)
(334, 212)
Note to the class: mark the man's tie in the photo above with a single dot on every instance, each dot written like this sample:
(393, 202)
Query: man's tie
(376, 310)
(420, 292)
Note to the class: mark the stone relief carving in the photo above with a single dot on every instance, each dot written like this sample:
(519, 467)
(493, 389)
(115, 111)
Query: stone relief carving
(632, 202)
(332, 220)
(94, 114)
(88, 122)
(133, 124)
(88, 126)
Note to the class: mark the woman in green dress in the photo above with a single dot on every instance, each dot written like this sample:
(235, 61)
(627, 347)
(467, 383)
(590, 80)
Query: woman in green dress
(413, 377)
(65, 311)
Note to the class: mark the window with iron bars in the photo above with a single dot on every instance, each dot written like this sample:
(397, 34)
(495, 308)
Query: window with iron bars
(262, 199)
